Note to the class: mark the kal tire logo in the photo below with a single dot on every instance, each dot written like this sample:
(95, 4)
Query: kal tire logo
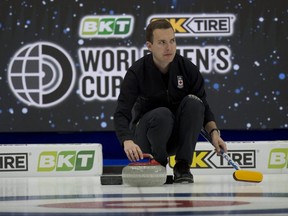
(209, 159)
(201, 25)
(13, 162)
(41, 74)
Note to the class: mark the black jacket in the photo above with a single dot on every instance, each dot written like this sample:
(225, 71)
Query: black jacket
(144, 89)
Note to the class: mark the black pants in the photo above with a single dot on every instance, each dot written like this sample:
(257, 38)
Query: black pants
(162, 134)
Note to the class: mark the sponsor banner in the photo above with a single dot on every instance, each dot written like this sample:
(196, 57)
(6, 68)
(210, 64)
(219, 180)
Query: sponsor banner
(63, 73)
(201, 25)
(106, 26)
(51, 160)
(268, 157)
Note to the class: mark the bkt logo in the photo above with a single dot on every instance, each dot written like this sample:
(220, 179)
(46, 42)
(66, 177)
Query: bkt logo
(201, 25)
(13, 162)
(278, 158)
(41, 74)
(65, 161)
(106, 26)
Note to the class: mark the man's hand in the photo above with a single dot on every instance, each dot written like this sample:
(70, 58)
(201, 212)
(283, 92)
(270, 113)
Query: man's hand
(218, 143)
(132, 150)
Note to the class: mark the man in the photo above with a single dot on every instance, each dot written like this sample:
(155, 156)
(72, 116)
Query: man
(162, 105)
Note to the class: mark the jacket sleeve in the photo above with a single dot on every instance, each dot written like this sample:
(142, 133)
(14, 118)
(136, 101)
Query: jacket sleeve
(127, 97)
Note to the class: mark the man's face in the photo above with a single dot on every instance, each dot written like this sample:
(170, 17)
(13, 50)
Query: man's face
(163, 47)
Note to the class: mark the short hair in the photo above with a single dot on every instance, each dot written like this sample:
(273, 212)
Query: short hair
(156, 24)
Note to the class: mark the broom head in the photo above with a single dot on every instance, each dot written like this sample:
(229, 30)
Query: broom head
(248, 176)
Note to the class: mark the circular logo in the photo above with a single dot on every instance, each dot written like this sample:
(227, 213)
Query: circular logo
(41, 74)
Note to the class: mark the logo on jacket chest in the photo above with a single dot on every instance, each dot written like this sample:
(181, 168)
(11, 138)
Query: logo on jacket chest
(180, 82)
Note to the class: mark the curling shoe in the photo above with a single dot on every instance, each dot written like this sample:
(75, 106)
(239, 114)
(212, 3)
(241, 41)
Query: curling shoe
(182, 172)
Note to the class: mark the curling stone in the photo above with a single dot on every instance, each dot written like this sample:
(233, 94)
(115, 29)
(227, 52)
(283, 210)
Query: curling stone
(144, 174)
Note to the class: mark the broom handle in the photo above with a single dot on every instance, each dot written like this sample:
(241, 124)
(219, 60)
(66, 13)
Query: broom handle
(205, 134)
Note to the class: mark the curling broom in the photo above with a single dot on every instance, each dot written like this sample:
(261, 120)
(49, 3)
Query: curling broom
(238, 175)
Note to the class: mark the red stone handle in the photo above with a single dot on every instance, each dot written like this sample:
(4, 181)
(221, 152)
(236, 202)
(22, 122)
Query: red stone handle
(151, 162)
(146, 155)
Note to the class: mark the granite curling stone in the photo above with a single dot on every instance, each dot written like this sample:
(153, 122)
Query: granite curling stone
(144, 174)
